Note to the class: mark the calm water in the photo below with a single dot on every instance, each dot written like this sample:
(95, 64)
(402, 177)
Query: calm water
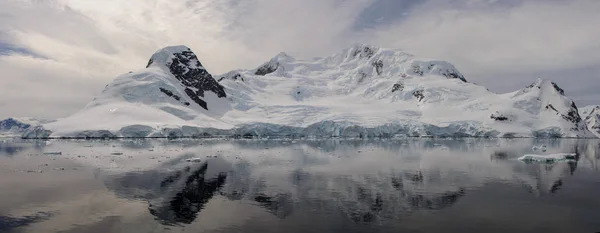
(412, 185)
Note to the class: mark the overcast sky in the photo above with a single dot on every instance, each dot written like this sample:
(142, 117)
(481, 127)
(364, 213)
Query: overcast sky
(55, 55)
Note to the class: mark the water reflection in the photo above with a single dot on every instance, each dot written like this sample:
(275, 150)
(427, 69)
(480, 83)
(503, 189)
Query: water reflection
(197, 190)
(374, 195)
(8, 222)
(373, 183)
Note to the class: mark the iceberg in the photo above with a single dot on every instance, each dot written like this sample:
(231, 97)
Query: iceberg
(550, 158)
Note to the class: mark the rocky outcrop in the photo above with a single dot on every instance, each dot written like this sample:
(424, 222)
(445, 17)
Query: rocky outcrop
(184, 65)
(499, 117)
(419, 95)
(398, 87)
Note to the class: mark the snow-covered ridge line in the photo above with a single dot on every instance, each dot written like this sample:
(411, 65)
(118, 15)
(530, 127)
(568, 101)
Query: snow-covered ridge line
(361, 91)
(328, 129)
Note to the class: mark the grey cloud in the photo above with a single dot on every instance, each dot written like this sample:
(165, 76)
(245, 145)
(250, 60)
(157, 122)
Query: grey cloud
(503, 45)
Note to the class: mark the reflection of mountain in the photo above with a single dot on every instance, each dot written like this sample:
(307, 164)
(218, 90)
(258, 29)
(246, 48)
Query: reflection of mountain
(363, 199)
(14, 147)
(549, 178)
(174, 197)
(292, 178)
(178, 197)
(190, 200)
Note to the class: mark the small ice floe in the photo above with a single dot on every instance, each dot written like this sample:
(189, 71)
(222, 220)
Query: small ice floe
(53, 153)
(542, 148)
(193, 160)
(551, 158)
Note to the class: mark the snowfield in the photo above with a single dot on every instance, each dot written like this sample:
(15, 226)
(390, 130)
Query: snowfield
(362, 91)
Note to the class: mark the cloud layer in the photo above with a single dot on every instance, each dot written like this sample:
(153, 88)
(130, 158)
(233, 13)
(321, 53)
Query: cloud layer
(57, 54)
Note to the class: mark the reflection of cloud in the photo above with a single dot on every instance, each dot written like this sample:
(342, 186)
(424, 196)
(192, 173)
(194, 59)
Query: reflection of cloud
(8, 223)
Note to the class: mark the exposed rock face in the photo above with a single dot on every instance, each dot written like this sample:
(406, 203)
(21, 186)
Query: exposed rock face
(232, 76)
(544, 97)
(593, 120)
(436, 67)
(185, 66)
(571, 116)
(378, 66)
(499, 117)
(419, 95)
(397, 87)
(267, 69)
(275, 64)
(363, 51)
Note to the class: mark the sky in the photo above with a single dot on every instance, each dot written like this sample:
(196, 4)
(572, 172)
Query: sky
(56, 55)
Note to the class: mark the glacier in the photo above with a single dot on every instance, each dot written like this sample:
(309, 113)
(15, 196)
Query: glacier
(361, 91)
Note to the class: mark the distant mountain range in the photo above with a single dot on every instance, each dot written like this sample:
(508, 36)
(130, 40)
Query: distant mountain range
(362, 91)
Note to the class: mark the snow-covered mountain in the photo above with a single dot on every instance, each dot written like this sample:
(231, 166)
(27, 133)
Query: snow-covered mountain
(362, 91)
(18, 125)
(591, 114)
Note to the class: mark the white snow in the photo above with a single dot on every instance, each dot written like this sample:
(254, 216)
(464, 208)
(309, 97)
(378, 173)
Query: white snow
(346, 94)
(550, 158)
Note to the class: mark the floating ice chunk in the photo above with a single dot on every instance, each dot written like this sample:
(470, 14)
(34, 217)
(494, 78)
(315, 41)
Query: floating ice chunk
(195, 160)
(551, 158)
(53, 153)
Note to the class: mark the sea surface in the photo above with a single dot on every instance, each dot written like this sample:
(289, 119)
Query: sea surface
(217, 185)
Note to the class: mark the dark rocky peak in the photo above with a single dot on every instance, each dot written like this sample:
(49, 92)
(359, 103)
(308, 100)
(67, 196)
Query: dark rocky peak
(267, 68)
(544, 86)
(276, 63)
(183, 64)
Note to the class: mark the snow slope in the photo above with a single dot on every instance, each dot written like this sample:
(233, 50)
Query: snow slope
(591, 114)
(362, 91)
(16, 126)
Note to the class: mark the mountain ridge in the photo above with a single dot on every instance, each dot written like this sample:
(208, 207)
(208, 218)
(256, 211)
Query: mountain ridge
(362, 91)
